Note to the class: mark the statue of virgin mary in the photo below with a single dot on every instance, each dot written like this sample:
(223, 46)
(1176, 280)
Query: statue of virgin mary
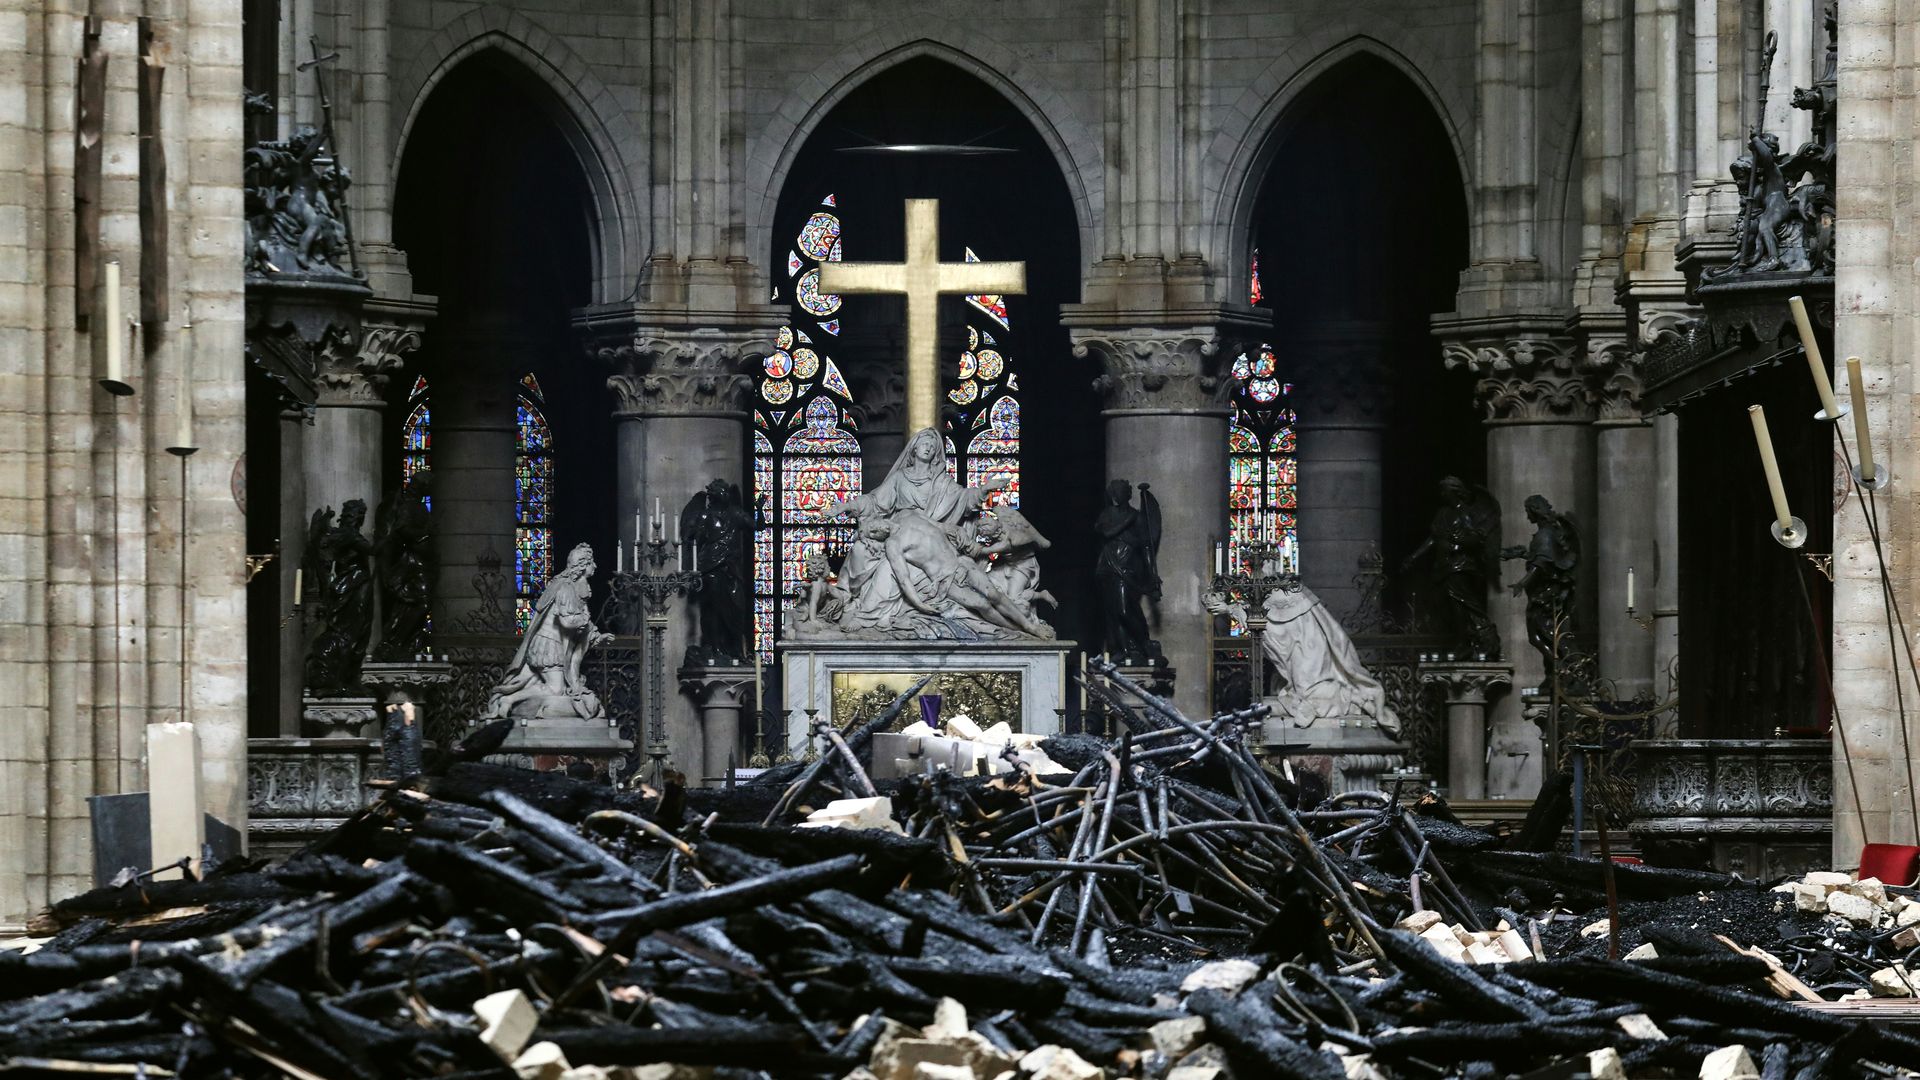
(918, 482)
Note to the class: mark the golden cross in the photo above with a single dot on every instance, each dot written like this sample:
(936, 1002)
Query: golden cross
(923, 278)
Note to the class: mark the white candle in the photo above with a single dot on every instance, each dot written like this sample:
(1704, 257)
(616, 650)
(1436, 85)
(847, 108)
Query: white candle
(1220, 558)
(813, 672)
(636, 528)
(184, 436)
(658, 517)
(680, 551)
(696, 559)
(1629, 588)
(1781, 515)
(676, 530)
(112, 326)
(619, 558)
(1815, 362)
(299, 582)
(1063, 681)
(1862, 437)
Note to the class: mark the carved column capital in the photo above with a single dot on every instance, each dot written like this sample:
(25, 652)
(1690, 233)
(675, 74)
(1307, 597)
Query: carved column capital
(1344, 375)
(1162, 370)
(1468, 684)
(1524, 377)
(679, 373)
(351, 368)
(880, 396)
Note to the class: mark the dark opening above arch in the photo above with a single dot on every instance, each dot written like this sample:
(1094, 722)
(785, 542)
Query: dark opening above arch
(492, 205)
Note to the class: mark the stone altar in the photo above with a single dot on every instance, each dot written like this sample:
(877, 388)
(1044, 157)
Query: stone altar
(809, 669)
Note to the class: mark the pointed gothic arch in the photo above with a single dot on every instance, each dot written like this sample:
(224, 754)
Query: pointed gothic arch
(576, 101)
(1076, 152)
(1244, 155)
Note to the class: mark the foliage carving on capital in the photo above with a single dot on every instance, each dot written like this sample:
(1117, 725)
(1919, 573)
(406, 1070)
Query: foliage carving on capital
(678, 375)
(1467, 684)
(354, 372)
(1159, 370)
(1535, 378)
(880, 396)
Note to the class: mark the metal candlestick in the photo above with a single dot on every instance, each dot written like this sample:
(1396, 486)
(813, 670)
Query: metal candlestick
(1254, 587)
(813, 750)
(1792, 537)
(651, 592)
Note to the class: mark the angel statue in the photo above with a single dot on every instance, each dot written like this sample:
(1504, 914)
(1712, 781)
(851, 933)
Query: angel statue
(718, 524)
(1127, 569)
(404, 541)
(1012, 543)
(339, 573)
(1552, 559)
(543, 679)
(1461, 550)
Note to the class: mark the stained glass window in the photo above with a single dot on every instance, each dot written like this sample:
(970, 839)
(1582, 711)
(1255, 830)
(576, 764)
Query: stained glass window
(1262, 473)
(416, 435)
(532, 501)
(986, 421)
(805, 455)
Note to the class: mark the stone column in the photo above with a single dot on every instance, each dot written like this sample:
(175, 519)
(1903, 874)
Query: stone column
(681, 422)
(1166, 393)
(349, 430)
(1627, 483)
(473, 455)
(1468, 687)
(721, 694)
(1540, 415)
(1342, 400)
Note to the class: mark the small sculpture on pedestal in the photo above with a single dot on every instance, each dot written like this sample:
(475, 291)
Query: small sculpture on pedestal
(337, 566)
(1321, 674)
(404, 543)
(544, 677)
(1127, 569)
(1553, 566)
(718, 526)
(1461, 549)
(296, 199)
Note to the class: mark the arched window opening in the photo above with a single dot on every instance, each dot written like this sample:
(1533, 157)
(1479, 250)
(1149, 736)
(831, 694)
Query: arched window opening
(416, 436)
(805, 456)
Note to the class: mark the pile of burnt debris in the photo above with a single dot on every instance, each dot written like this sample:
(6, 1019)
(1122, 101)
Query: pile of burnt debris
(1162, 908)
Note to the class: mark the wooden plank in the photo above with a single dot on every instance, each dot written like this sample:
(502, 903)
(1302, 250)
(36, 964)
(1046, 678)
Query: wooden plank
(153, 193)
(90, 88)
(1784, 982)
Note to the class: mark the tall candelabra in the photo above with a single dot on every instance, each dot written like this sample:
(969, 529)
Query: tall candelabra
(1257, 577)
(647, 591)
